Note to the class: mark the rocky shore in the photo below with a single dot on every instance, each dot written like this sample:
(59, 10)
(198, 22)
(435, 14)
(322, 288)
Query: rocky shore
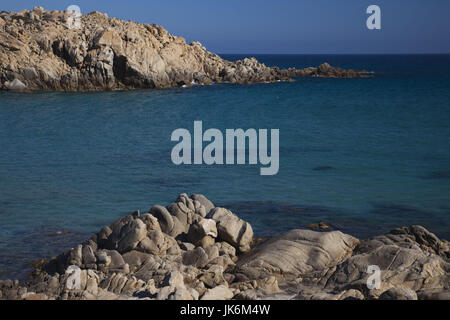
(39, 50)
(192, 250)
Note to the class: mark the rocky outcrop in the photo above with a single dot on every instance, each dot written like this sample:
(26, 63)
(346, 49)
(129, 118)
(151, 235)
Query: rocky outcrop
(298, 253)
(41, 50)
(411, 259)
(231, 229)
(192, 250)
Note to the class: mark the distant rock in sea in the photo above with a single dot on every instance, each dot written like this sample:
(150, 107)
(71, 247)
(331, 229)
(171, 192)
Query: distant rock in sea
(193, 250)
(40, 51)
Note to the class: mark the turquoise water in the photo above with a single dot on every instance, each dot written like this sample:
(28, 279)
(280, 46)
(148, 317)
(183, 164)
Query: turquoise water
(365, 155)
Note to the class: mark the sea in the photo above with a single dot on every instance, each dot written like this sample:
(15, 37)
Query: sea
(363, 155)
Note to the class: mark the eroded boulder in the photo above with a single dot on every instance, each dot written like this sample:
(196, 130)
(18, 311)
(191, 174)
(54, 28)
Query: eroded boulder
(196, 257)
(403, 262)
(232, 229)
(298, 253)
(221, 292)
(131, 234)
(169, 224)
(205, 202)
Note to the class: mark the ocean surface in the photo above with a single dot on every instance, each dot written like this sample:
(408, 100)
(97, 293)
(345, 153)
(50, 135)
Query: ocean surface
(364, 155)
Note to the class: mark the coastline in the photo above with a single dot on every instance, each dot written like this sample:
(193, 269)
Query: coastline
(364, 180)
(192, 250)
(42, 51)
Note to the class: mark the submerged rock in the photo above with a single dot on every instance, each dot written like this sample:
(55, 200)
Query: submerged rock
(320, 226)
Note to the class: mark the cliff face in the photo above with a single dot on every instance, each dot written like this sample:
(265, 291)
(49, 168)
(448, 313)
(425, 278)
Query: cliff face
(38, 51)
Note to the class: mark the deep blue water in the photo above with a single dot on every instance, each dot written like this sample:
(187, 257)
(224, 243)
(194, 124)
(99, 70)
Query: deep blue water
(366, 155)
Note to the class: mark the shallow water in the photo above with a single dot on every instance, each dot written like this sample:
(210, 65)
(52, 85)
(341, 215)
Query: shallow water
(365, 155)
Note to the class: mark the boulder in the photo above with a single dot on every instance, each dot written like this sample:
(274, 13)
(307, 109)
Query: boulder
(205, 202)
(158, 243)
(413, 237)
(213, 277)
(434, 294)
(174, 279)
(131, 234)
(249, 294)
(183, 198)
(175, 293)
(165, 292)
(89, 258)
(170, 225)
(36, 296)
(226, 249)
(206, 242)
(403, 262)
(113, 261)
(116, 283)
(193, 293)
(398, 294)
(221, 292)
(232, 229)
(298, 253)
(109, 237)
(200, 229)
(208, 227)
(212, 252)
(102, 258)
(186, 246)
(16, 84)
(103, 238)
(76, 256)
(197, 257)
(224, 261)
(135, 259)
(184, 215)
(268, 285)
(184, 294)
(164, 218)
(324, 67)
(151, 222)
(315, 293)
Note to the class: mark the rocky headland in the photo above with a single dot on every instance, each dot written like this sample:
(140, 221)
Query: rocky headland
(193, 250)
(42, 50)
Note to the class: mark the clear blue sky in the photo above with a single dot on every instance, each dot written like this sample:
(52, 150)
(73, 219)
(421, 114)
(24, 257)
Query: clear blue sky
(284, 26)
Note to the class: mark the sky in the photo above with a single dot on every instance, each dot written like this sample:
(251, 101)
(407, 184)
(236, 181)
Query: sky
(283, 26)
